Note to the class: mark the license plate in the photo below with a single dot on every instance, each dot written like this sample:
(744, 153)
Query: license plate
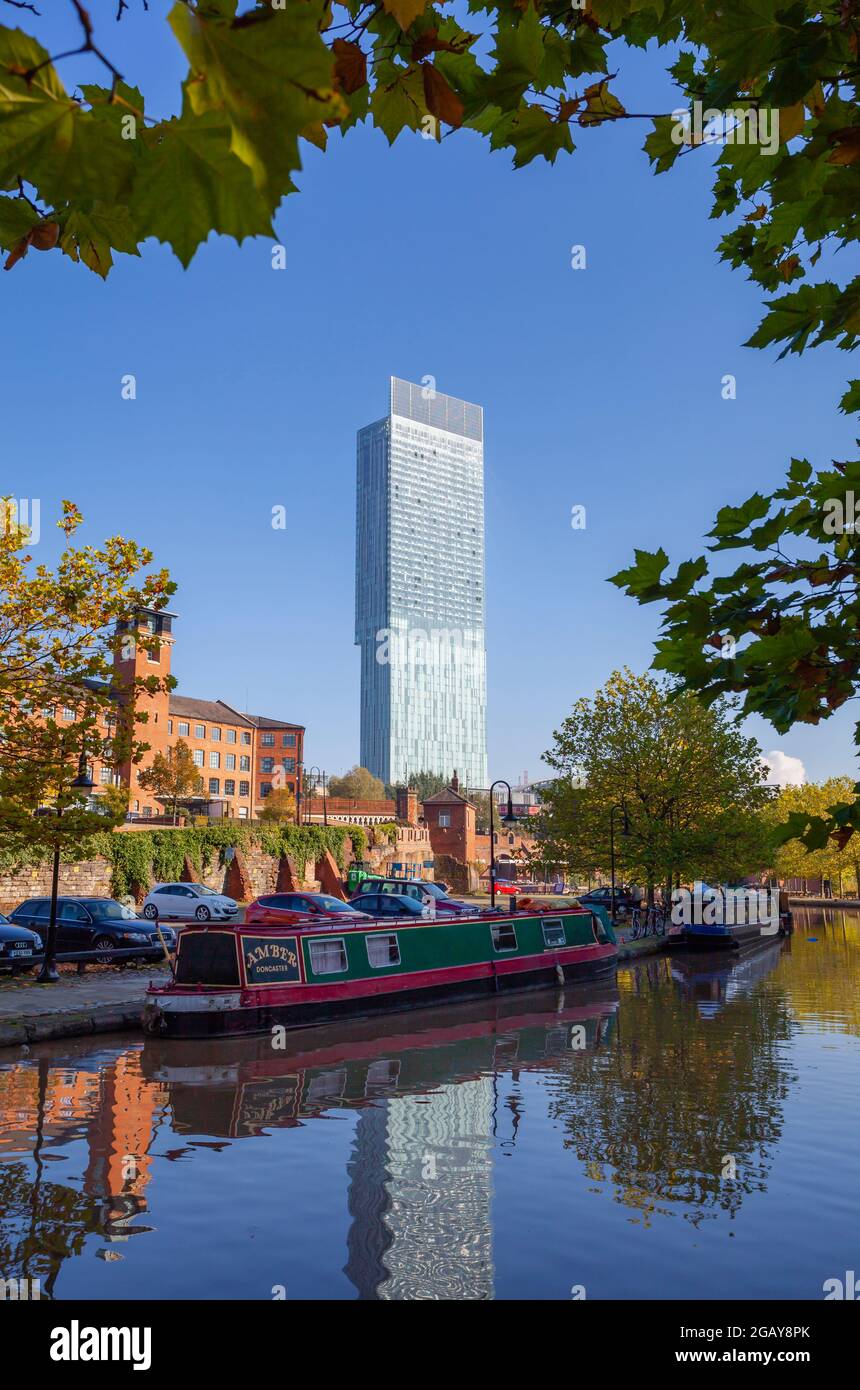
(25, 952)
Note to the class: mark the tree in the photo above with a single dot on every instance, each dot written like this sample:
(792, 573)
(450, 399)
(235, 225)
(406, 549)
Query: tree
(173, 777)
(59, 632)
(358, 785)
(424, 784)
(103, 174)
(279, 805)
(792, 859)
(691, 785)
(781, 628)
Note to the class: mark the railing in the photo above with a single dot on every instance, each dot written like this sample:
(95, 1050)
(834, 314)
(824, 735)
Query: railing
(85, 958)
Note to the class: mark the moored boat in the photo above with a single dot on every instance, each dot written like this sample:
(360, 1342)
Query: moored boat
(245, 979)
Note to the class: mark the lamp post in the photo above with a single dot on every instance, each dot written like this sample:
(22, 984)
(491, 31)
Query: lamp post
(625, 830)
(314, 785)
(300, 767)
(507, 819)
(83, 782)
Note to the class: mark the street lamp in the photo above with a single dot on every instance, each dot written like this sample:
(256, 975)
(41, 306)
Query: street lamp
(625, 830)
(320, 777)
(300, 767)
(507, 819)
(83, 782)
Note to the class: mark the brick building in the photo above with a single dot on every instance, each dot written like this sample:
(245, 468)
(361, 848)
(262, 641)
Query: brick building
(450, 818)
(240, 756)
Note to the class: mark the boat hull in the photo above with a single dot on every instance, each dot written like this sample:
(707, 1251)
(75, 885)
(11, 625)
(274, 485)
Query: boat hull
(230, 1013)
(722, 938)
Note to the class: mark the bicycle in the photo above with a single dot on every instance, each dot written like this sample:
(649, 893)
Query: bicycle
(651, 923)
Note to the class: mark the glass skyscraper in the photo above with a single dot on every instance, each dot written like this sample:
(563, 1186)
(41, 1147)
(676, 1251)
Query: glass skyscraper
(419, 587)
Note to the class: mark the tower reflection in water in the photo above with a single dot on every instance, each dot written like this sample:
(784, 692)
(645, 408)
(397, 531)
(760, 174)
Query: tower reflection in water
(419, 1178)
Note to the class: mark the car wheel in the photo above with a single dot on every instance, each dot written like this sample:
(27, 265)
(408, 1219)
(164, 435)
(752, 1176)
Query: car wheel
(150, 912)
(203, 914)
(104, 948)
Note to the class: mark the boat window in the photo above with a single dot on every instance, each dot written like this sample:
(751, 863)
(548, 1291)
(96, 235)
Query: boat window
(207, 958)
(328, 957)
(504, 936)
(553, 932)
(383, 949)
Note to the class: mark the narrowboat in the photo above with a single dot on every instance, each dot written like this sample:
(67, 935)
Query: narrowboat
(240, 1087)
(716, 919)
(229, 980)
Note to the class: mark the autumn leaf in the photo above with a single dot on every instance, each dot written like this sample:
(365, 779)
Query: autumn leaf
(350, 65)
(791, 121)
(404, 11)
(847, 142)
(442, 102)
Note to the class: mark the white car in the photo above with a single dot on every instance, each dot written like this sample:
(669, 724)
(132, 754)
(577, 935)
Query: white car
(189, 902)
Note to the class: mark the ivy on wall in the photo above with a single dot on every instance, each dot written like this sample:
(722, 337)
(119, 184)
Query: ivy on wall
(140, 858)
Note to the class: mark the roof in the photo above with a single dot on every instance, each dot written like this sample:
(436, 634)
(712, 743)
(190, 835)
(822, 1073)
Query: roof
(213, 710)
(446, 797)
(261, 722)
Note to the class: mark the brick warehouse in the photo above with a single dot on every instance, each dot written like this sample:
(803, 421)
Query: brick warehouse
(240, 755)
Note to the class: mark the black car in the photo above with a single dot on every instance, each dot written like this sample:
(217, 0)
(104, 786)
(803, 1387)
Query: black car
(601, 897)
(92, 924)
(387, 905)
(17, 947)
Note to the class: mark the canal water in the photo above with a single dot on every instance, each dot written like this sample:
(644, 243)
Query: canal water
(689, 1132)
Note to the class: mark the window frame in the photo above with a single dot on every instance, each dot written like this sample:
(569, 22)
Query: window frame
(553, 922)
(496, 928)
(377, 936)
(328, 941)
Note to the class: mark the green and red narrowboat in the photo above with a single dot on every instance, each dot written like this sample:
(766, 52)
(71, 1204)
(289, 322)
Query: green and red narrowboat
(245, 979)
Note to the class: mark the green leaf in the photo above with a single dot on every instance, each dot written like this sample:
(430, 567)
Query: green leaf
(16, 219)
(519, 53)
(850, 402)
(269, 75)
(642, 579)
(191, 183)
(90, 236)
(660, 147)
(397, 102)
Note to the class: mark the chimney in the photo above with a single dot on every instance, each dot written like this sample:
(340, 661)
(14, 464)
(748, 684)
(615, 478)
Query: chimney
(407, 805)
(455, 782)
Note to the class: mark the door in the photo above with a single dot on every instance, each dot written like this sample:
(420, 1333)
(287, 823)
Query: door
(74, 927)
(180, 901)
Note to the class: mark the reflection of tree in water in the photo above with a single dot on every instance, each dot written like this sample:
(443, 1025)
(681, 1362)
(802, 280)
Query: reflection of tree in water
(660, 1111)
(44, 1223)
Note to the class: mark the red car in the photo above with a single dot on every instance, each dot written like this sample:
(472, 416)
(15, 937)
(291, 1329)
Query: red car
(284, 909)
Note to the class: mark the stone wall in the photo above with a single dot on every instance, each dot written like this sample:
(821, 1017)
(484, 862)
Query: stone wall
(90, 879)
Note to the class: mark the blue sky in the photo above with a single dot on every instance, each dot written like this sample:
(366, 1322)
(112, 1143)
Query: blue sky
(600, 387)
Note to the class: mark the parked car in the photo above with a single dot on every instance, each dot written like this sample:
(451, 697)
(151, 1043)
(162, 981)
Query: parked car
(92, 924)
(419, 889)
(17, 947)
(280, 909)
(390, 905)
(625, 901)
(190, 902)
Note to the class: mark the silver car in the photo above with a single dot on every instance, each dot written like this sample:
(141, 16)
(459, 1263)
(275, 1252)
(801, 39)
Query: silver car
(189, 902)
